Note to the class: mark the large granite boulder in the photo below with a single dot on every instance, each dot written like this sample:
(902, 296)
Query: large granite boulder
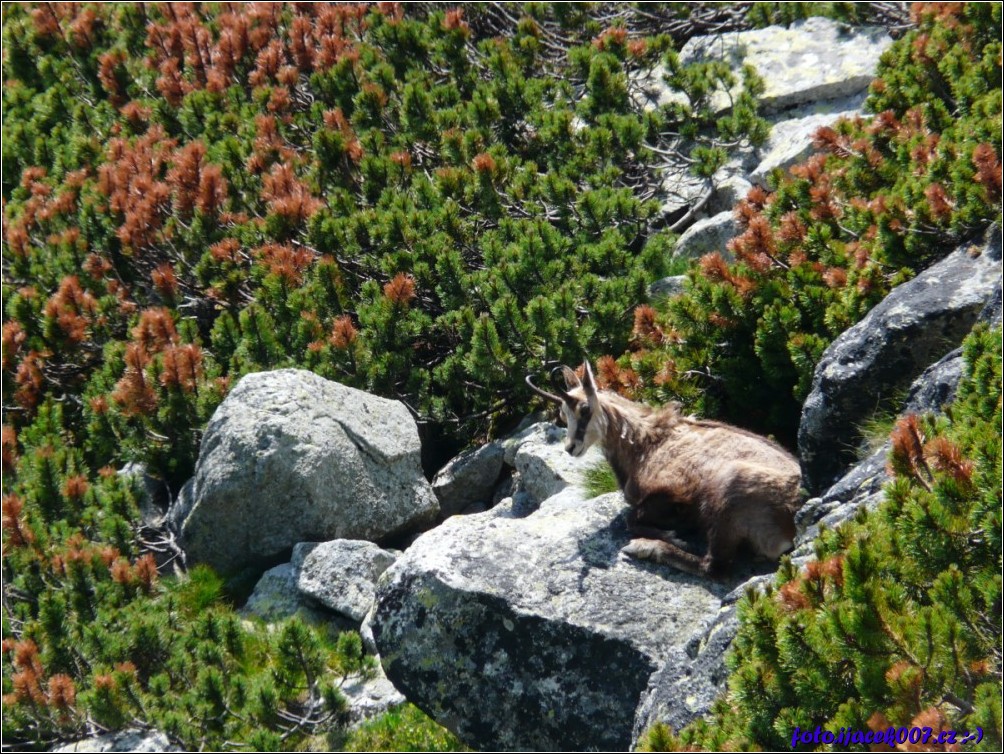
(291, 457)
(534, 632)
(914, 326)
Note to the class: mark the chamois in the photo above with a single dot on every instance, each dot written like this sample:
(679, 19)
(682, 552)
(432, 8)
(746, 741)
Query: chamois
(677, 472)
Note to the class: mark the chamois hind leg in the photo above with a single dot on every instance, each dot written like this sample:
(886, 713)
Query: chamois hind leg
(723, 541)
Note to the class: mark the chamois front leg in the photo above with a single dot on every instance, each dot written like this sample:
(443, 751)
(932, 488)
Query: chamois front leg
(666, 553)
(661, 546)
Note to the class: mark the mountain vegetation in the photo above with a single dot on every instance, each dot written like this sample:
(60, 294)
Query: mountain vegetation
(425, 202)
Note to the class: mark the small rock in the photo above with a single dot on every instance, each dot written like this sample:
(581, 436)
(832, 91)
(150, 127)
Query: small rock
(275, 598)
(667, 287)
(369, 697)
(543, 465)
(341, 574)
(705, 236)
(469, 478)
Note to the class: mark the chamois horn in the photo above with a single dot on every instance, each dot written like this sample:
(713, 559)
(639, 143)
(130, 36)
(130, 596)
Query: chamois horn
(544, 394)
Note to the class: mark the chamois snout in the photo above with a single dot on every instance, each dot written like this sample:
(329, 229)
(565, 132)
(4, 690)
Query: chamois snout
(582, 427)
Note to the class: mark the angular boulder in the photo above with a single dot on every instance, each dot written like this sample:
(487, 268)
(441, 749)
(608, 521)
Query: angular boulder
(790, 139)
(915, 325)
(534, 632)
(341, 574)
(291, 457)
(469, 478)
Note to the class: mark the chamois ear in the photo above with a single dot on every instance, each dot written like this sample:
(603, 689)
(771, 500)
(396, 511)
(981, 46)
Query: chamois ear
(571, 379)
(588, 381)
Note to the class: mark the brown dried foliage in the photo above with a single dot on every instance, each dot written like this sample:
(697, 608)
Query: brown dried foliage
(988, 170)
(285, 262)
(72, 308)
(130, 178)
(344, 333)
(182, 367)
(288, 196)
(400, 291)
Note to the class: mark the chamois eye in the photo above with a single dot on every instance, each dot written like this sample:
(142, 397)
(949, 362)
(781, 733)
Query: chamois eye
(584, 413)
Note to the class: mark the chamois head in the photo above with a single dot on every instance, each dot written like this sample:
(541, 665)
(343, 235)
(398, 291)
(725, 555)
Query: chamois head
(580, 408)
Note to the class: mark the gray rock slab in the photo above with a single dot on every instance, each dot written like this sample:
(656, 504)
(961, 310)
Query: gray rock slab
(534, 632)
(545, 469)
(790, 140)
(914, 326)
(811, 60)
(291, 457)
(341, 574)
(126, 740)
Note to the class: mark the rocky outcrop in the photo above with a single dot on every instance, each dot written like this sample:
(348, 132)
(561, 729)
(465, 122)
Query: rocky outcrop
(291, 457)
(815, 72)
(913, 327)
(132, 739)
(539, 619)
(811, 60)
(340, 575)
